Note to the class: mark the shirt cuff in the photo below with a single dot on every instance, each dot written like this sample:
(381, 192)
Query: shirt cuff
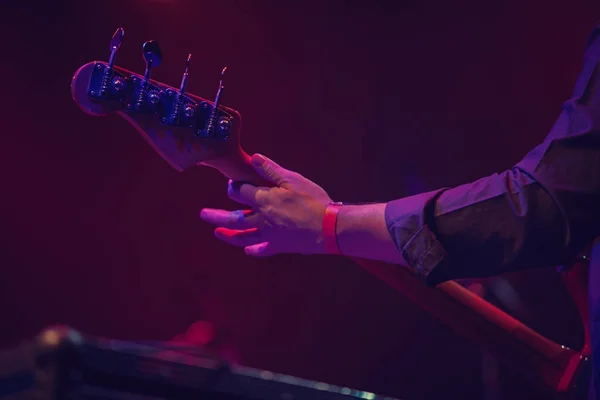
(414, 236)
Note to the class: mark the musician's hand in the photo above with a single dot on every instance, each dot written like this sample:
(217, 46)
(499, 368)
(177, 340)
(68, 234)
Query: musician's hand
(285, 218)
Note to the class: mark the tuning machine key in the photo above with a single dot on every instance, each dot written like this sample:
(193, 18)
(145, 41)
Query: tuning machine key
(184, 78)
(218, 123)
(115, 44)
(179, 110)
(147, 97)
(106, 83)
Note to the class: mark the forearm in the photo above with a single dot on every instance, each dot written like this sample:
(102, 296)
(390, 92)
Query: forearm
(362, 232)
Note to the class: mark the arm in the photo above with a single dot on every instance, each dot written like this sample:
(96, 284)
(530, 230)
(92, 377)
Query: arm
(540, 213)
(500, 223)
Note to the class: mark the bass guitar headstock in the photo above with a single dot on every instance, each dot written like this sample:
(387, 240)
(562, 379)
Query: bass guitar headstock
(185, 129)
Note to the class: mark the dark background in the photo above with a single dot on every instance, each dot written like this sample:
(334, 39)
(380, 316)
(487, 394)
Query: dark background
(373, 100)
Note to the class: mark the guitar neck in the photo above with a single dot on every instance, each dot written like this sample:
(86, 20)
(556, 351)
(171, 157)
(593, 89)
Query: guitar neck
(552, 366)
(237, 167)
(546, 364)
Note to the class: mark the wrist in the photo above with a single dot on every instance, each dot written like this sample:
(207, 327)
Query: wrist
(351, 229)
(361, 231)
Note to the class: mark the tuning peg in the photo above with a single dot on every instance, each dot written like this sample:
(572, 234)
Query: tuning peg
(212, 120)
(176, 102)
(147, 96)
(115, 43)
(152, 56)
(104, 79)
(222, 74)
(185, 75)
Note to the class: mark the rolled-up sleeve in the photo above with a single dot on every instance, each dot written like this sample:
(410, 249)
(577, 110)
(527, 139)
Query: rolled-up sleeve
(540, 213)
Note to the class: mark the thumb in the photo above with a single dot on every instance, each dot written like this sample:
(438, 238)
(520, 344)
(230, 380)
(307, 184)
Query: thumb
(268, 169)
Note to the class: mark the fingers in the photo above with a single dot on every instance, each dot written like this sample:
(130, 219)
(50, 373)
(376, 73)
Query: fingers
(245, 193)
(239, 238)
(268, 169)
(255, 196)
(263, 249)
(251, 239)
(239, 219)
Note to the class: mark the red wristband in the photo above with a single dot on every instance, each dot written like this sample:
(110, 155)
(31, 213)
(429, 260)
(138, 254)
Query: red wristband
(329, 224)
